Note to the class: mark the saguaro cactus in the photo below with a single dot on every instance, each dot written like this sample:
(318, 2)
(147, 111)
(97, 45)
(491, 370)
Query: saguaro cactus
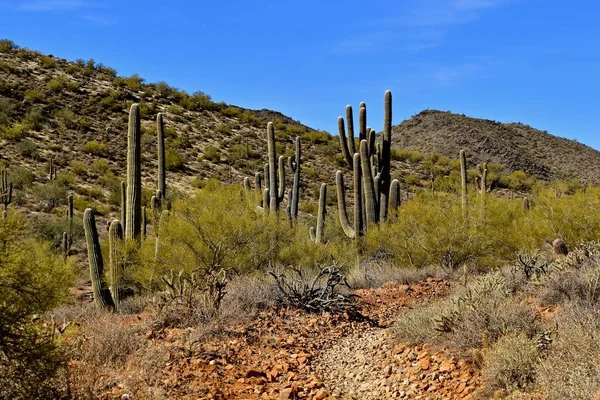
(115, 240)
(276, 186)
(133, 213)
(463, 178)
(160, 137)
(317, 236)
(123, 205)
(525, 203)
(294, 166)
(5, 191)
(395, 198)
(353, 232)
(102, 296)
(482, 171)
(369, 190)
(386, 152)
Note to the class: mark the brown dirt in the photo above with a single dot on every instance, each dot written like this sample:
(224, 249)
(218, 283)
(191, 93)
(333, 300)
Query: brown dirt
(291, 354)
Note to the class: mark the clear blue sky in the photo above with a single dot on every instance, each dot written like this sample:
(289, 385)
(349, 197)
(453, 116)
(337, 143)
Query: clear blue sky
(532, 61)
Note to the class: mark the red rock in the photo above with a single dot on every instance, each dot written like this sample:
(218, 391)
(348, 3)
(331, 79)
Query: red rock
(320, 395)
(253, 373)
(286, 394)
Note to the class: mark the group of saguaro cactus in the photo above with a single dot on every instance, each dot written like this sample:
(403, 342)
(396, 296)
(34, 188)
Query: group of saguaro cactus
(274, 172)
(374, 191)
(5, 191)
(132, 225)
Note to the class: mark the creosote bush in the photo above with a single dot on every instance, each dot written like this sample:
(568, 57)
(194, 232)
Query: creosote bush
(33, 280)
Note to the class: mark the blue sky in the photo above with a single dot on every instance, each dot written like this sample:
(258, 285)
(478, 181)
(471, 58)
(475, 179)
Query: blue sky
(531, 61)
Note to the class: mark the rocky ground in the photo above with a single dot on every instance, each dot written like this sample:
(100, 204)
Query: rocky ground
(296, 355)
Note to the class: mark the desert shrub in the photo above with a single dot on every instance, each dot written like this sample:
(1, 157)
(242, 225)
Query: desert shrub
(510, 363)
(315, 137)
(34, 96)
(56, 85)
(100, 166)
(67, 118)
(433, 229)
(95, 148)
(79, 168)
(27, 148)
(133, 82)
(7, 46)
(34, 119)
(34, 280)
(475, 317)
(174, 161)
(50, 194)
(51, 228)
(48, 62)
(8, 109)
(21, 177)
(212, 153)
(569, 369)
(15, 132)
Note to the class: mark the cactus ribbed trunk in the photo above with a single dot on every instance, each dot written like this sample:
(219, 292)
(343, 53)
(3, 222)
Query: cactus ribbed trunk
(295, 166)
(115, 240)
(133, 214)
(386, 150)
(350, 123)
(102, 296)
(123, 205)
(369, 186)
(272, 156)
(317, 236)
(395, 198)
(160, 136)
(362, 122)
(463, 178)
(247, 186)
(525, 203)
(5, 191)
(257, 181)
(344, 141)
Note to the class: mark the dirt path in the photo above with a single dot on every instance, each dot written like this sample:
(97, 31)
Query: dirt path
(295, 355)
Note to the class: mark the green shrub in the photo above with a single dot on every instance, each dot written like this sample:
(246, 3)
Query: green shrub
(21, 177)
(67, 118)
(100, 166)
(174, 161)
(56, 85)
(51, 194)
(34, 96)
(15, 132)
(510, 363)
(27, 148)
(212, 153)
(7, 46)
(34, 119)
(95, 148)
(79, 168)
(34, 281)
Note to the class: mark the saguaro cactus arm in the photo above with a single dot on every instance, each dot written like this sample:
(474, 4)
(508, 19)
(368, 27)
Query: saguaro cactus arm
(386, 150)
(369, 186)
(318, 236)
(344, 141)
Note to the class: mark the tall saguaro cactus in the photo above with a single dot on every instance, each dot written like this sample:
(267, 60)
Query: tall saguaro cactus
(276, 184)
(115, 239)
(369, 190)
(102, 296)
(463, 178)
(294, 166)
(160, 137)
(5, 191)
(353, 232)
(386, 151)
(133, 213)
(317, 236)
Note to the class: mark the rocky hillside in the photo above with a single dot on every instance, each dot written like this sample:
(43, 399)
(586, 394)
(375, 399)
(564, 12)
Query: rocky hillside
(75, 114)
(517, 146)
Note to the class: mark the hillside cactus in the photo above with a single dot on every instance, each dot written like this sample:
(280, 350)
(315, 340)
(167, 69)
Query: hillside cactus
(115, 240)
(160, 137)
(133, 209)
(294, 166)
(386, 154)
(395, 198)
(525, 203)
(482, 171)
(6, 189)
(463, 178)
(356, 231)
(317, 236)
(276, 171)
(123, 205)
(102, 296)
